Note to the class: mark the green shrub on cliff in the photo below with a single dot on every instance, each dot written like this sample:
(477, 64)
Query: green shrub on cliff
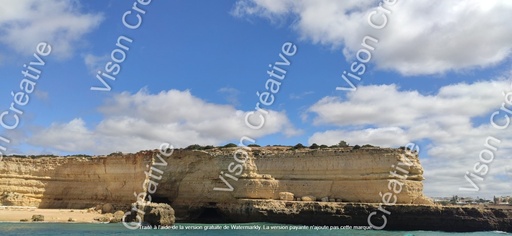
(194, 147)
(298, 146)
(79, 155)
(115, 154)
(199, 147)
(314, 146)
(230, 145)
(343, 144)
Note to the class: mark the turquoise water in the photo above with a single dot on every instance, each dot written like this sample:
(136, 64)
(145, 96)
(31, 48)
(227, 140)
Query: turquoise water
(54, 229)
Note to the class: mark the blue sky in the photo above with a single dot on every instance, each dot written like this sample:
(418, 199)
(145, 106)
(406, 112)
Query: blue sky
(193, 69)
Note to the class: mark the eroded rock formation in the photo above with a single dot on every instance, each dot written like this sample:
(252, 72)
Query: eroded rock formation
(194, 180)
(344, 174)
(190, 177)
(401, 217)
(335, 186)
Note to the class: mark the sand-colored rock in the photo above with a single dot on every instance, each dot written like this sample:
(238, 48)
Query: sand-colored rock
(308, 198)
(117, 217)
(342, 173)
(189, 177)
(72, 182)
(286, 196)
(255, 188)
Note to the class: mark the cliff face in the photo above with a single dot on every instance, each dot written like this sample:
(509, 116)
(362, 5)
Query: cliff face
(335, 174)
(217, 185)
(197, 179)
(189, 178)
(352, 176)
(71, 182)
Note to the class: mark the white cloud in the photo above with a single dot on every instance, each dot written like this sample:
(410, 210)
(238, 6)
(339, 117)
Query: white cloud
(70, 136)
(372, 105)
(421, 37)
(231, 95)
(95, 63)
(387, 116)
(24, 23)
(133, 122)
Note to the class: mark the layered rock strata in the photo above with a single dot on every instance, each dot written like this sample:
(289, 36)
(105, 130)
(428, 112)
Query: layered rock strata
(336, 186)
(195, 182)
(72, 182)
(340, 174)
(401, 217)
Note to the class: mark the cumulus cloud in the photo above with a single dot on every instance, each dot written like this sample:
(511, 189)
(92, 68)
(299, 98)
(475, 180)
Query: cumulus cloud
(134, 122)
(421, 37)
(445, 122)
(61, 23)
(372, 105)
(69, 136)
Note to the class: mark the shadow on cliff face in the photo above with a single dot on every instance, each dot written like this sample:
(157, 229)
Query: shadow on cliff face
(159, 199)
(208, 214)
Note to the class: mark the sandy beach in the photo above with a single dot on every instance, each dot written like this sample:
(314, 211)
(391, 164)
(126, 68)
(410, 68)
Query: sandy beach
(50, 215)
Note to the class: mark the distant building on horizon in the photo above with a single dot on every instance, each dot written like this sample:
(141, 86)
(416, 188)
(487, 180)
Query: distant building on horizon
(502, 200)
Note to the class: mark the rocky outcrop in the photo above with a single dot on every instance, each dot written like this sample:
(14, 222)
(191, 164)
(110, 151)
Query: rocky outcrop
(153, 214)
(36, 218)
(401, 217)
(159, 214)
(286, 196)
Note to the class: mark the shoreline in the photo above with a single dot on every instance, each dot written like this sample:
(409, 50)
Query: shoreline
(15, 215)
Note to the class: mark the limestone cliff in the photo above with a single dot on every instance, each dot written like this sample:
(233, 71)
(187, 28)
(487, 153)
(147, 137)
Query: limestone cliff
(334, 186)
(190, 177)
(71, 182)
(340, 174)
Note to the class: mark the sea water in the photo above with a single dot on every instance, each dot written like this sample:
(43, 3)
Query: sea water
(55, 229)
